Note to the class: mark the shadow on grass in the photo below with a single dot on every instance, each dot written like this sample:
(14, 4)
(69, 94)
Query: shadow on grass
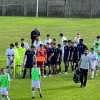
(70, 87)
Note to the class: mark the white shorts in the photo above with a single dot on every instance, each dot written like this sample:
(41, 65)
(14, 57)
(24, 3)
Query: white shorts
(4, 91)
(94, 65)
(35, 84)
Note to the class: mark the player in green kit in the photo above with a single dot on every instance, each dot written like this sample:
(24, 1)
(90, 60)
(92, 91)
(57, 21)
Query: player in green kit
(4, 84)
(17, 60)
(21, 52)
(36, 74)
(97, 50)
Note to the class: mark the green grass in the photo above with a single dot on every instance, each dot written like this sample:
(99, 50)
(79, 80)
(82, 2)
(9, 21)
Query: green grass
(54, 88)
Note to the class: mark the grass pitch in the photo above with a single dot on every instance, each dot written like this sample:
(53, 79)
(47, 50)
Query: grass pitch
(60, 87)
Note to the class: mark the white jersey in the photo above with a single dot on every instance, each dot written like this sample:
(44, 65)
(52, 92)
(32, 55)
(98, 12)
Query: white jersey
(37, 44)
(9, 56)
(9, 52)
(93, 60)
(62, 40)
(77, 39)
(26, 45)
(47, 41)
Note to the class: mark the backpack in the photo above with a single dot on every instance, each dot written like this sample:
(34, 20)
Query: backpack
(76, 77)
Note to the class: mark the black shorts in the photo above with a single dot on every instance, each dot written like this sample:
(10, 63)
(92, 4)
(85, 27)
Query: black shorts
(28, 65)
(59, 62)
(53, 62)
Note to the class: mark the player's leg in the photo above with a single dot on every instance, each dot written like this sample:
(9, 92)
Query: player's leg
(33, 89)
(30, 72)
(24, 72)
(33, 92)
(40, 93)
(2, 97)
(85, 77)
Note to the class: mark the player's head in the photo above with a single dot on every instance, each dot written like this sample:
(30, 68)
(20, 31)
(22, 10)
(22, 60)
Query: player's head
(22, 39)
(54, 45)
(16, 44)
(92, 49)
(48, 35)
(98, 37)
(11, 45)
(81, 41)
(86, 51)
(54, 40)
(61, 34)
(78, 34)
(22, 45)
(65, 42)
(69, 42)
(73, 44)
(41, 45)
(97, 45)
(59, 45)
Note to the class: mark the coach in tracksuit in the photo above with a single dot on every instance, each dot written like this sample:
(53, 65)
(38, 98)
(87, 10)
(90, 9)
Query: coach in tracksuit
(84, 66)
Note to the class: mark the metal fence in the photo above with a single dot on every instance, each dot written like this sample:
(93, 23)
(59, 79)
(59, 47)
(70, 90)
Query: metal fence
(58, 8)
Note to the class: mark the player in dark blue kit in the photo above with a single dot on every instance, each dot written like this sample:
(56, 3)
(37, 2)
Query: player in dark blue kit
(75, 57)
(66, 55)
(54, 58)
(81, 48)
(29, 60)
(59, 57)
(49, 53)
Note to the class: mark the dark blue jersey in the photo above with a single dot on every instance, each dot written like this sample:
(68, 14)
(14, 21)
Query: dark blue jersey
(55, 51)
(66, 52)
(81, 48)
(29, 55)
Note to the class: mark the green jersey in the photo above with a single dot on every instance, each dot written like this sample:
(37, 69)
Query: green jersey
(36, 73)
(97, 50)
(16, 56)
(4, 80)
(21, 52)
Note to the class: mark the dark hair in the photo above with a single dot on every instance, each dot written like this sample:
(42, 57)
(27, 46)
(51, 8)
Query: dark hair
(32, 46)
(81, 40)
(16, 43)
(22, 39)
(41, 45)
(59, 45)
(61, 34)
(97, 44)
(11, 45)
(54, 39)
(69, 41)
(65, 41)
(48, 35)
(22, 44)
(98, 37)
(92, 49)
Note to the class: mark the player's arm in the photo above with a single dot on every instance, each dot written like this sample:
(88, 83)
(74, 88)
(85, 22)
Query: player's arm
(72, 54)
(51, 56)
(68, 55)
